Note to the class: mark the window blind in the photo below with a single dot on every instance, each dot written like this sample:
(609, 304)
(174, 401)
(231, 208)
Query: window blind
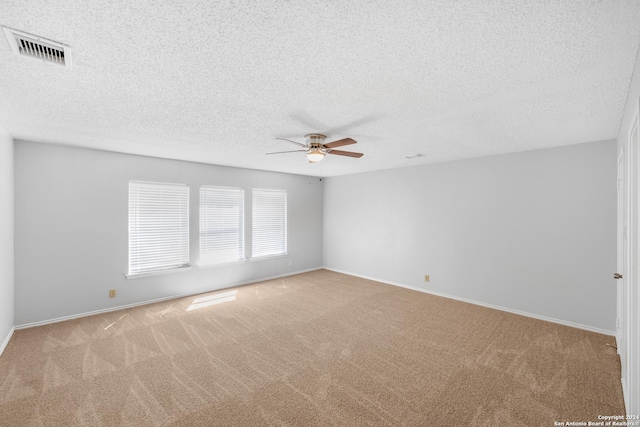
(158, 226)
(269, 222)
(221, 224)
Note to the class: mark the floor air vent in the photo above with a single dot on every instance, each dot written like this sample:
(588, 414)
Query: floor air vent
(26, 44)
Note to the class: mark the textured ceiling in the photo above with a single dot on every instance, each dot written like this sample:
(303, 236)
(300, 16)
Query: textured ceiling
(216, 82)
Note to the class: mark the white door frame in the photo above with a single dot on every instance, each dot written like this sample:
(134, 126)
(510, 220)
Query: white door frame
(622, 318)
(628, 335)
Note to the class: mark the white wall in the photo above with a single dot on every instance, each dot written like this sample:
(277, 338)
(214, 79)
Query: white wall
(71, 229)
(533, 232)
(6, 237)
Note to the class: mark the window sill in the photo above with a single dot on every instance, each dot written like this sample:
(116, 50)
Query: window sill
(220, 264)
(157, 272)
(268, 257)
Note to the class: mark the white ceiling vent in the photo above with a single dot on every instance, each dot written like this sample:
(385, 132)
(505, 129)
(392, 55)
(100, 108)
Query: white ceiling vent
(414, 156)
(26, 44)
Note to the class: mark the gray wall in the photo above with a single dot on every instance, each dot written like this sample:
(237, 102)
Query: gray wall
(533, 232)
(71, 229)
(6, 236)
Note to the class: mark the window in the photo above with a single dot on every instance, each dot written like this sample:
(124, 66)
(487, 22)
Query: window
(158, 227)
(221, 225)
(269, 223)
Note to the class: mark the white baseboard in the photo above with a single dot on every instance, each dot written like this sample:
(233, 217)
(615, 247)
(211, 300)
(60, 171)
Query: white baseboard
(470, 301)
(248, 282)
(6, 340)
(137, 304)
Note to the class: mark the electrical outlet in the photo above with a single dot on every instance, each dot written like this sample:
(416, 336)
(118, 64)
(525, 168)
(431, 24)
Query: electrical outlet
(426, 277)
(290, 263)
(112, 293)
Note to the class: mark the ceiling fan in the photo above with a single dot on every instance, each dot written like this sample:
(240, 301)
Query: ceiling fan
(316, 149)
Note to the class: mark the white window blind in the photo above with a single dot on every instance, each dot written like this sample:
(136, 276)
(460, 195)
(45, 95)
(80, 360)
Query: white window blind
(158, 226)
(221, 224)
(269, 223)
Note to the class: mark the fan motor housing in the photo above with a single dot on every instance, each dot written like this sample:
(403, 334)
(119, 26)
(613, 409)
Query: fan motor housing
(315, 138)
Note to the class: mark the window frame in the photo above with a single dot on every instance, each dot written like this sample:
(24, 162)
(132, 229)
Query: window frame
(284, 229)
(136, 218)
(204, 260)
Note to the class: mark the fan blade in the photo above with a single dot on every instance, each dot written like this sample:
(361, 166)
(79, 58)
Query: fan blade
(340, 143)
(346, 153)
(297, 143)
(293, 151)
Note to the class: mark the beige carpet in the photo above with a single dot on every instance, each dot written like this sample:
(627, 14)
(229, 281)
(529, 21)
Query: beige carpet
(316, 349)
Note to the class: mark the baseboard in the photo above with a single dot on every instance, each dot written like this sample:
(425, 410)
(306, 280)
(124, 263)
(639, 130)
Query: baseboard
(101, 311)
(137, 304)
(6, 340)
(248, 282)
(483, 304)
(624, 395)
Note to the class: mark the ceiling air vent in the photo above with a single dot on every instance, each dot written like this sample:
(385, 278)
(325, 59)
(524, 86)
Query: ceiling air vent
(26, 44)
(414, 156)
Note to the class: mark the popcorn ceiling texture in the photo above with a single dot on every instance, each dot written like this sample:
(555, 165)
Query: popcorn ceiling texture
(216, 82)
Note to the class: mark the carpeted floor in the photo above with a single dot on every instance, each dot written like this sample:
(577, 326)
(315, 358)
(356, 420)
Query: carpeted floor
(315, 349)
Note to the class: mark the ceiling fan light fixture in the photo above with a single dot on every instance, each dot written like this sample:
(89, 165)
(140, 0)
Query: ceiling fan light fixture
(315, 155)
(315, 149)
